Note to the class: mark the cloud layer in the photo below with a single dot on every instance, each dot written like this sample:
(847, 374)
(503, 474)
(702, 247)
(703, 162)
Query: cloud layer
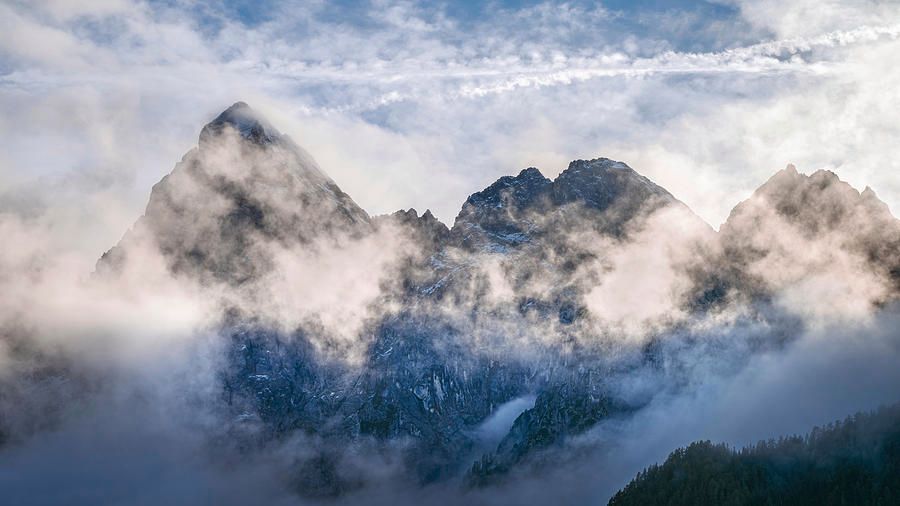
(405, 104)
(114, 91)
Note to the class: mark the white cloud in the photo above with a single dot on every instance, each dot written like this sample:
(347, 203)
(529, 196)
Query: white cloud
(803, 18)
(434, 102)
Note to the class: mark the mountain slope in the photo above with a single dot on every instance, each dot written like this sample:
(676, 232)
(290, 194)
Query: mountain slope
(856, 461)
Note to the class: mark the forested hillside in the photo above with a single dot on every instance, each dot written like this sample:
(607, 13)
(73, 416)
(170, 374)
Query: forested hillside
(852, 462)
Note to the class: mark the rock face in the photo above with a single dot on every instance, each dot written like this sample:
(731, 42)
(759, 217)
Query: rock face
(610, 187)
(504, 214)
(559, 411)
(515, 210)
(496, 308)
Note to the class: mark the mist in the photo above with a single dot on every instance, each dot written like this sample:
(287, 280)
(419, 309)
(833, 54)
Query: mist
(113, 384)
(258, 324)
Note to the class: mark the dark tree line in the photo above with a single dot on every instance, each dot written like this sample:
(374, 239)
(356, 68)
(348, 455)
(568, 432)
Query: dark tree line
(852, 462)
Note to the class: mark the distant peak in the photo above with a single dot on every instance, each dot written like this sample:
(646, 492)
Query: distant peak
(405, 215)
(413, 215)
(869, 197)
(237, 106)
(248, 123)
(597, 164)
(824, 174)
(530, 173)
(786, 176)
(239, 114)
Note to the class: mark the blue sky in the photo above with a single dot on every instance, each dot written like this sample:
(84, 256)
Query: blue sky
(418, 104)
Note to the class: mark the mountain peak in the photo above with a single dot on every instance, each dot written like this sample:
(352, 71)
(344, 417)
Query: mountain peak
(247, 122)
(531, 173)
(521, 191)
(513, 208)
(596, 164)
(817, 203)
(600, 182)
(237, 107)
(214, 214)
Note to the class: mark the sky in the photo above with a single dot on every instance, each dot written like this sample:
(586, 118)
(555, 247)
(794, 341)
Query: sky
(419, 104)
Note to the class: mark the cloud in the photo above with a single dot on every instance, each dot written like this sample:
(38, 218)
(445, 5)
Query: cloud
(802, 18)
(647, 279)
(825, 375)
(332, 78)
(405, 104)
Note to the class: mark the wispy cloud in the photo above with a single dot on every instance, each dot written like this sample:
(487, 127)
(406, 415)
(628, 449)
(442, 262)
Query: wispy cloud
(410, 75)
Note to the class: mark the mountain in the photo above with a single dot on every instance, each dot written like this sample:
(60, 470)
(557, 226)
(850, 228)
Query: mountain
(517, 209)
(854, 461)
(552, 290)
(796, 225)
(547, 243)
(501, 215)
(244, 187)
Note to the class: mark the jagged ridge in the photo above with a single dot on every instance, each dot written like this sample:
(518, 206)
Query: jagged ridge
(248, 186)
